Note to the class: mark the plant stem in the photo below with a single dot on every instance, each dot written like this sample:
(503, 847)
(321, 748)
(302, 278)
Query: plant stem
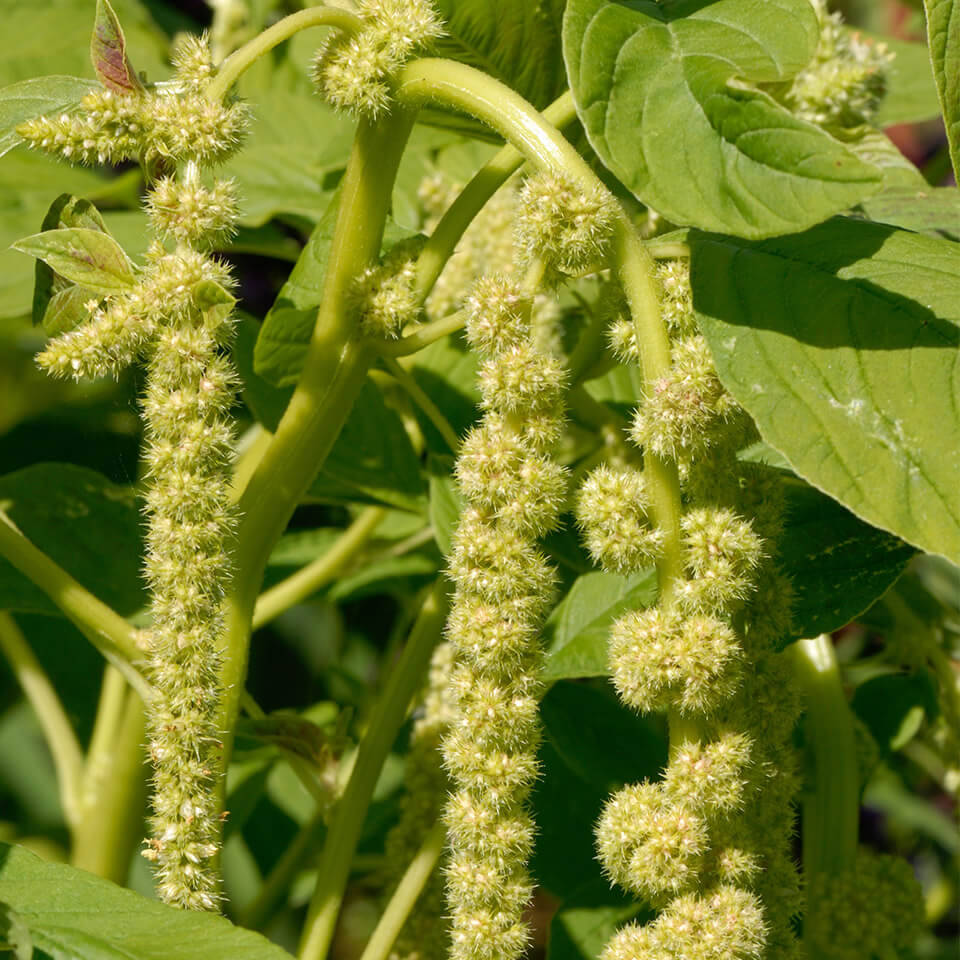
(831, 811)
(39, 691)
(346, 823)
(114, 784)
(113, 636)
(423, 336)
(334, 371)
(405, 896)
(240, 60)
(518, 122)
(439, 248)
(300, 585)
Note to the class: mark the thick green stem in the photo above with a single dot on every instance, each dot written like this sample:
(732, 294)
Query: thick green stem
(57, 731)
(404, 681)
(101, 625)
(335, 368)
(405, 896)
(423, 336)
(114, 785)
(439, 248)
(831, 811)
(300, 585)
(240, 60)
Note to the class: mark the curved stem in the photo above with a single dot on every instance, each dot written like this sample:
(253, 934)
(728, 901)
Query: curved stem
(306, 581)
(440, 246)
(404, 681)
(831, 811)
(424, 336)
(405, 896)
(432, 412)
(240, 60)
(113, 636)
(57, 731)
(334, 371)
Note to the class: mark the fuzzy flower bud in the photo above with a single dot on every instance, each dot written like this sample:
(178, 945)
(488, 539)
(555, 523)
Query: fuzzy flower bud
(648, 845)
(681, 416)
(568, 225)
(522, 380)
(662, 659)
(192, 62)
(498, 316)
(611, 511)
(709, 778)
(191, 213)
(383, 296)
(353, 72)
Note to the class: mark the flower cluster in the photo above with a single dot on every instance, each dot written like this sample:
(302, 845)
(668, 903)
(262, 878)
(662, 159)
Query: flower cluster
(176, 317)
(353, 73)
(844, 84)
(503, 583)
(708, 844)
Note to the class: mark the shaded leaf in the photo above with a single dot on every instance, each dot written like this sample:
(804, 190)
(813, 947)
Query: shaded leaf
(89, 526)
(93, 919)
(839, 566)
(576, 633)
(669, 106)
(446, 504)
(88, 257)
(213, 301)
(34, 98)
(943, 35)
(893, 707)
(588, 918)
(108, 52)
(828, 338)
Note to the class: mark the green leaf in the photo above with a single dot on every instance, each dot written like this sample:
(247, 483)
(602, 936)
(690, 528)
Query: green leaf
(372, 460)
(911, 94)
(588, 918)
(88, 257)
(876, 148)
(577, 631)
(518, 43)
(931, 210)
(89, 526)
(838, 565)
(108, 52)
(943, 35)
(287, 165)
(58, 304)
(93, 919)
(213, 301)
(828, 339)
(893, 707)
(669, 107)
(33, 98)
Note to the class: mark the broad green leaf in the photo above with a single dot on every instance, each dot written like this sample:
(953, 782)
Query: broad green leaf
(669, 106)
(911, 93)
(587, 919)
(88, 257)
(33, 98)
(289, 162)
(838, 565)
(518, 43)
(108, 52)
(401, 576)
(88, 918)
(446, 371)
(943, 35)
(931, 210)
(577, 631)
(876, 148)
(89, 526)
(53, 36)
(841, 343)
(615, 746)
